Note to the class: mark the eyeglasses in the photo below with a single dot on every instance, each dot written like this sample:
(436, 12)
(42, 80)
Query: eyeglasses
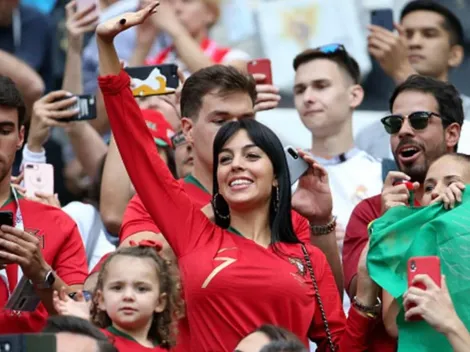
(418, 120)
(178, 139)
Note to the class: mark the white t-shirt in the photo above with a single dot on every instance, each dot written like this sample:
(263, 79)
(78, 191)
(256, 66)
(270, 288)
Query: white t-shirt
(85, 216)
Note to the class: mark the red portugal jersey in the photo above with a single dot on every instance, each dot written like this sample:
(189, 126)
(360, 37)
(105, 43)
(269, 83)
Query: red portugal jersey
(125, 343)
(231, 284)
(62, 248)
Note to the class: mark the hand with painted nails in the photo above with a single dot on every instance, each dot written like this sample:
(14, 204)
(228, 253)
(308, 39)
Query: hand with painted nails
(107, 30)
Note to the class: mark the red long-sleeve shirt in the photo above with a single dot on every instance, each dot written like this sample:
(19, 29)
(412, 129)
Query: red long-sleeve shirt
(232, 285)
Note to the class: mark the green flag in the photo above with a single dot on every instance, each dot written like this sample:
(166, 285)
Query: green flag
(405, 232)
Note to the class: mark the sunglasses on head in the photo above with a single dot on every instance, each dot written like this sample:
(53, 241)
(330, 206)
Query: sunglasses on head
(418, 120)
(331, 48)
(178, 139)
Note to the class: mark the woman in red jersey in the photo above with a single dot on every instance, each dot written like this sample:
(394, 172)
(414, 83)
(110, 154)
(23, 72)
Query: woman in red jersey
(257, 271)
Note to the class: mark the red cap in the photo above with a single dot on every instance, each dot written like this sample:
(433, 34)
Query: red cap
(159, 127)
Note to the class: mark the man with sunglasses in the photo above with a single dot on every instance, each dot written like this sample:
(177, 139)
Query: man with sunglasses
(425, 123)
(429, 42)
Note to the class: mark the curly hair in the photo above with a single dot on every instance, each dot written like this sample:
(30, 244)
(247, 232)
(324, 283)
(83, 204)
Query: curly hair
(163, 327)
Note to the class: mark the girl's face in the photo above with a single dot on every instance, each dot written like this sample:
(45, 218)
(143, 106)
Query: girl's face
(245, 173)
(441, 174)
(131, 292)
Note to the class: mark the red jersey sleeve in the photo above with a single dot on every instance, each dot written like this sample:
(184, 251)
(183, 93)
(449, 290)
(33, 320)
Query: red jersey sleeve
(357, 235)
(351, 335)
(163, 197)
(70, 262)
(301, 227)
(136, 219)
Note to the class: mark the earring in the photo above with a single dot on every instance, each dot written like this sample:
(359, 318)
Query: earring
(277, 199)
(216, 210)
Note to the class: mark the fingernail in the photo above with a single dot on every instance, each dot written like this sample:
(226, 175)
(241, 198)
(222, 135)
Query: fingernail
(122, 21)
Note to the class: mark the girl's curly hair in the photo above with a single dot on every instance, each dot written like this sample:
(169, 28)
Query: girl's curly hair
(163, 328)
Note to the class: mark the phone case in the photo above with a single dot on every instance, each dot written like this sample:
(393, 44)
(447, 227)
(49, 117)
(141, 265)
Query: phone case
(86, 105)
(6, 218)
(423, 265)
(38, 178)
(28, 342)
(261, 66)
(153, 80)
(297, 165)
(383, 18)
(24, 298)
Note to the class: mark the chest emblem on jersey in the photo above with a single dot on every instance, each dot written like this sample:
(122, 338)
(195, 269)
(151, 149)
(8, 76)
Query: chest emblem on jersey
(359, 194)
(299, 265)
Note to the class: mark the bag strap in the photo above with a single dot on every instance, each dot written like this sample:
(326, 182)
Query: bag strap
(319, 301)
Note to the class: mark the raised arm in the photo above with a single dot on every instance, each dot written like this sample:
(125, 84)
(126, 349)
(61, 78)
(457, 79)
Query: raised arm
(161, 194)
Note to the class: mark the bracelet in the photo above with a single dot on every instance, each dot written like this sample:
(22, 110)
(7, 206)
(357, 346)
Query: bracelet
(371, 312)
(324, 229)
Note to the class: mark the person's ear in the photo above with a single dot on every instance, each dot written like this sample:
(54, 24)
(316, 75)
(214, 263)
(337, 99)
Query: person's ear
(456, 55)
(162, 302)
(187, 125)
(452, 135)
(356, 95)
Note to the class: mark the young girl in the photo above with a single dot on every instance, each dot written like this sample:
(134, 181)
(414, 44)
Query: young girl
(135, 302)
(446, 180)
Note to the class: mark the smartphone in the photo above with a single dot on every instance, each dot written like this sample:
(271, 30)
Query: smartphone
(86, 106)
(38, 178)
(28, 342)
(383, 18)
(261, 66)
(6, 218)
(153, 80)
(423, 265)
(297, 165)
(23, 298)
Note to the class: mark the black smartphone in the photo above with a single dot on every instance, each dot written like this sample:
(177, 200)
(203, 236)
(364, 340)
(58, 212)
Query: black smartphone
(28, 343)
(86, 106)
(6, 218)
(383, 18)
(153, 80)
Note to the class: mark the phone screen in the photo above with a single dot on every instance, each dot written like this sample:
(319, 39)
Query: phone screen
(6, 218)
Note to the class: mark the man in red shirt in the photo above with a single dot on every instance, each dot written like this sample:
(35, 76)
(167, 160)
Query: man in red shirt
(44, 245)
(426, 120)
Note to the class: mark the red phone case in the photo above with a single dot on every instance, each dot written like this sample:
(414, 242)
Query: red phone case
(423, 265)
(261, 66)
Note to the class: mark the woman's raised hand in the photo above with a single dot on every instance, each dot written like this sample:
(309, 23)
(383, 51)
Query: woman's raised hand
(108, 30)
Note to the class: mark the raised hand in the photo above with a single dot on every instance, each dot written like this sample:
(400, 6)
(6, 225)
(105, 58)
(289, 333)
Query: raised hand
(395, 195)
(106, 31)
(267, 97)
(312, 199)
(79, 22)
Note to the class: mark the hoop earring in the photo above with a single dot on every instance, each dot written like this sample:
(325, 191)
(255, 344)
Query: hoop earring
(215, 197)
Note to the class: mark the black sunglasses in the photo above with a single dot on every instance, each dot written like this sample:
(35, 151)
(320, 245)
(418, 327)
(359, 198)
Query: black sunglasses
(418, 120)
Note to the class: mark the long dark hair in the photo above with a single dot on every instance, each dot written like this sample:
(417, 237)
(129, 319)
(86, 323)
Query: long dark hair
(280, 219)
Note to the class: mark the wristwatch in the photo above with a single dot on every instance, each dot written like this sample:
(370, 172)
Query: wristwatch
(324, 229)
(371, 312)
(48, 282)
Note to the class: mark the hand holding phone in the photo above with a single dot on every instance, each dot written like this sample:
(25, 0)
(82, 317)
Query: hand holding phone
(262, 66)
(38, 178)
(431, 266)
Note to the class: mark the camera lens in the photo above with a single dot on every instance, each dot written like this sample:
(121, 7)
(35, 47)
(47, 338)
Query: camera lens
(293, 153)
(413, 266)
(5, 347)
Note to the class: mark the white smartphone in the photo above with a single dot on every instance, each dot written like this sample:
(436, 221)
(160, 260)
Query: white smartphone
(24, 298)
(297, 165)
(38, 178)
